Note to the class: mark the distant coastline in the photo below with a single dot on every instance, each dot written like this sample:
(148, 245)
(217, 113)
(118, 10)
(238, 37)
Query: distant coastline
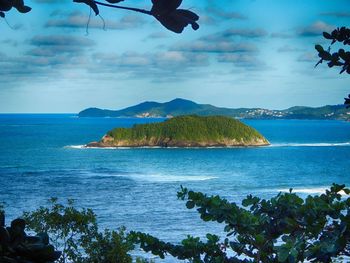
(178, 107)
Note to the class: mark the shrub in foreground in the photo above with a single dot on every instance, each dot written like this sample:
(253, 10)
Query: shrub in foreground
(286, 228)
(76, 233)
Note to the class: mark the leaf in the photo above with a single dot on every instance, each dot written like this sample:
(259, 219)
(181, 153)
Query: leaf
(260, 239)
(90, 3)
(163, 7)
(344, 55)
(192, 17)
(327, 35)
(188, 14)
(190, 204)
(178, 20)
(206, 217)
(343, 69)
(246, 202)
(5, 5)
(283, 254)
(171, 23)
(325, 55)
(19, 5)
(319, 48)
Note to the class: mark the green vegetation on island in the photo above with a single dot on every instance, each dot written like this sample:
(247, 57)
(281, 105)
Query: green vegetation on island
(185, 131)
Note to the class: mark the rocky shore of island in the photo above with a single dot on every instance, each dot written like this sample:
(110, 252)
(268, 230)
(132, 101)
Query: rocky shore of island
(108, 142)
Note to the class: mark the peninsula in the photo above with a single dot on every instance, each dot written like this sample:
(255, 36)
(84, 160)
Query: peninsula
(185, 131)
(179, 107)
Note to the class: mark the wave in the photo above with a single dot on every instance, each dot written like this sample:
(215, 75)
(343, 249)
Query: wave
(154, 178)
(160, 178)
(321, 144)
(155, 147)
(108, 148)
(75, 147)
(312, 190)
(110, 173)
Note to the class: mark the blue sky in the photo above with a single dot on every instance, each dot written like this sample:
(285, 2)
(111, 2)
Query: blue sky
(247, 53)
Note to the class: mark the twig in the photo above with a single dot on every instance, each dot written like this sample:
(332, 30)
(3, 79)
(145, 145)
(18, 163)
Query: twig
(104, 23)
(11, 27)
(88, 23)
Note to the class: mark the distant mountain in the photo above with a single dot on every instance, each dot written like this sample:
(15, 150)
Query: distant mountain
(179, 107)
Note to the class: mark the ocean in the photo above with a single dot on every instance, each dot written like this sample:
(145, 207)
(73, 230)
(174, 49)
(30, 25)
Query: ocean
(41, 157)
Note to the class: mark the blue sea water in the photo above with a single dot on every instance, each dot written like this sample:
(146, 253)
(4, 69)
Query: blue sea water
(40, 158)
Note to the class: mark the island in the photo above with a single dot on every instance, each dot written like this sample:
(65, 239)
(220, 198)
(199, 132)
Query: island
(185, 131)
(178, 107)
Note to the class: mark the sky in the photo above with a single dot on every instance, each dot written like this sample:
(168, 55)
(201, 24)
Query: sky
(246, 53)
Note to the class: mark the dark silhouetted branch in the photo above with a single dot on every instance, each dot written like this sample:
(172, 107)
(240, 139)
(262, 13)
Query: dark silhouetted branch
(125, 8)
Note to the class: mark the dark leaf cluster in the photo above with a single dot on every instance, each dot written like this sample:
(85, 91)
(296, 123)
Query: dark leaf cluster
(341, 35)
(347, 101)
(286, 228)
(341, 58)
(7, 5)
(167, 12)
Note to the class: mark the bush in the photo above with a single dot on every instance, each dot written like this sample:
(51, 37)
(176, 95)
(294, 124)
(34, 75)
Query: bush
(286, 228)
(108, 247)
(75, 232)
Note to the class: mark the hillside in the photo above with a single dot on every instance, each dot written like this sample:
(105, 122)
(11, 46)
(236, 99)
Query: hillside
(185, 131)
(180, 107)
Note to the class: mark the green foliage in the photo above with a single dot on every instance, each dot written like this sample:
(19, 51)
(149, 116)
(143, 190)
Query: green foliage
(109, 247)
(285, 228)
(188, 129)
(190, 248)
(75, 232)
(67, 227)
